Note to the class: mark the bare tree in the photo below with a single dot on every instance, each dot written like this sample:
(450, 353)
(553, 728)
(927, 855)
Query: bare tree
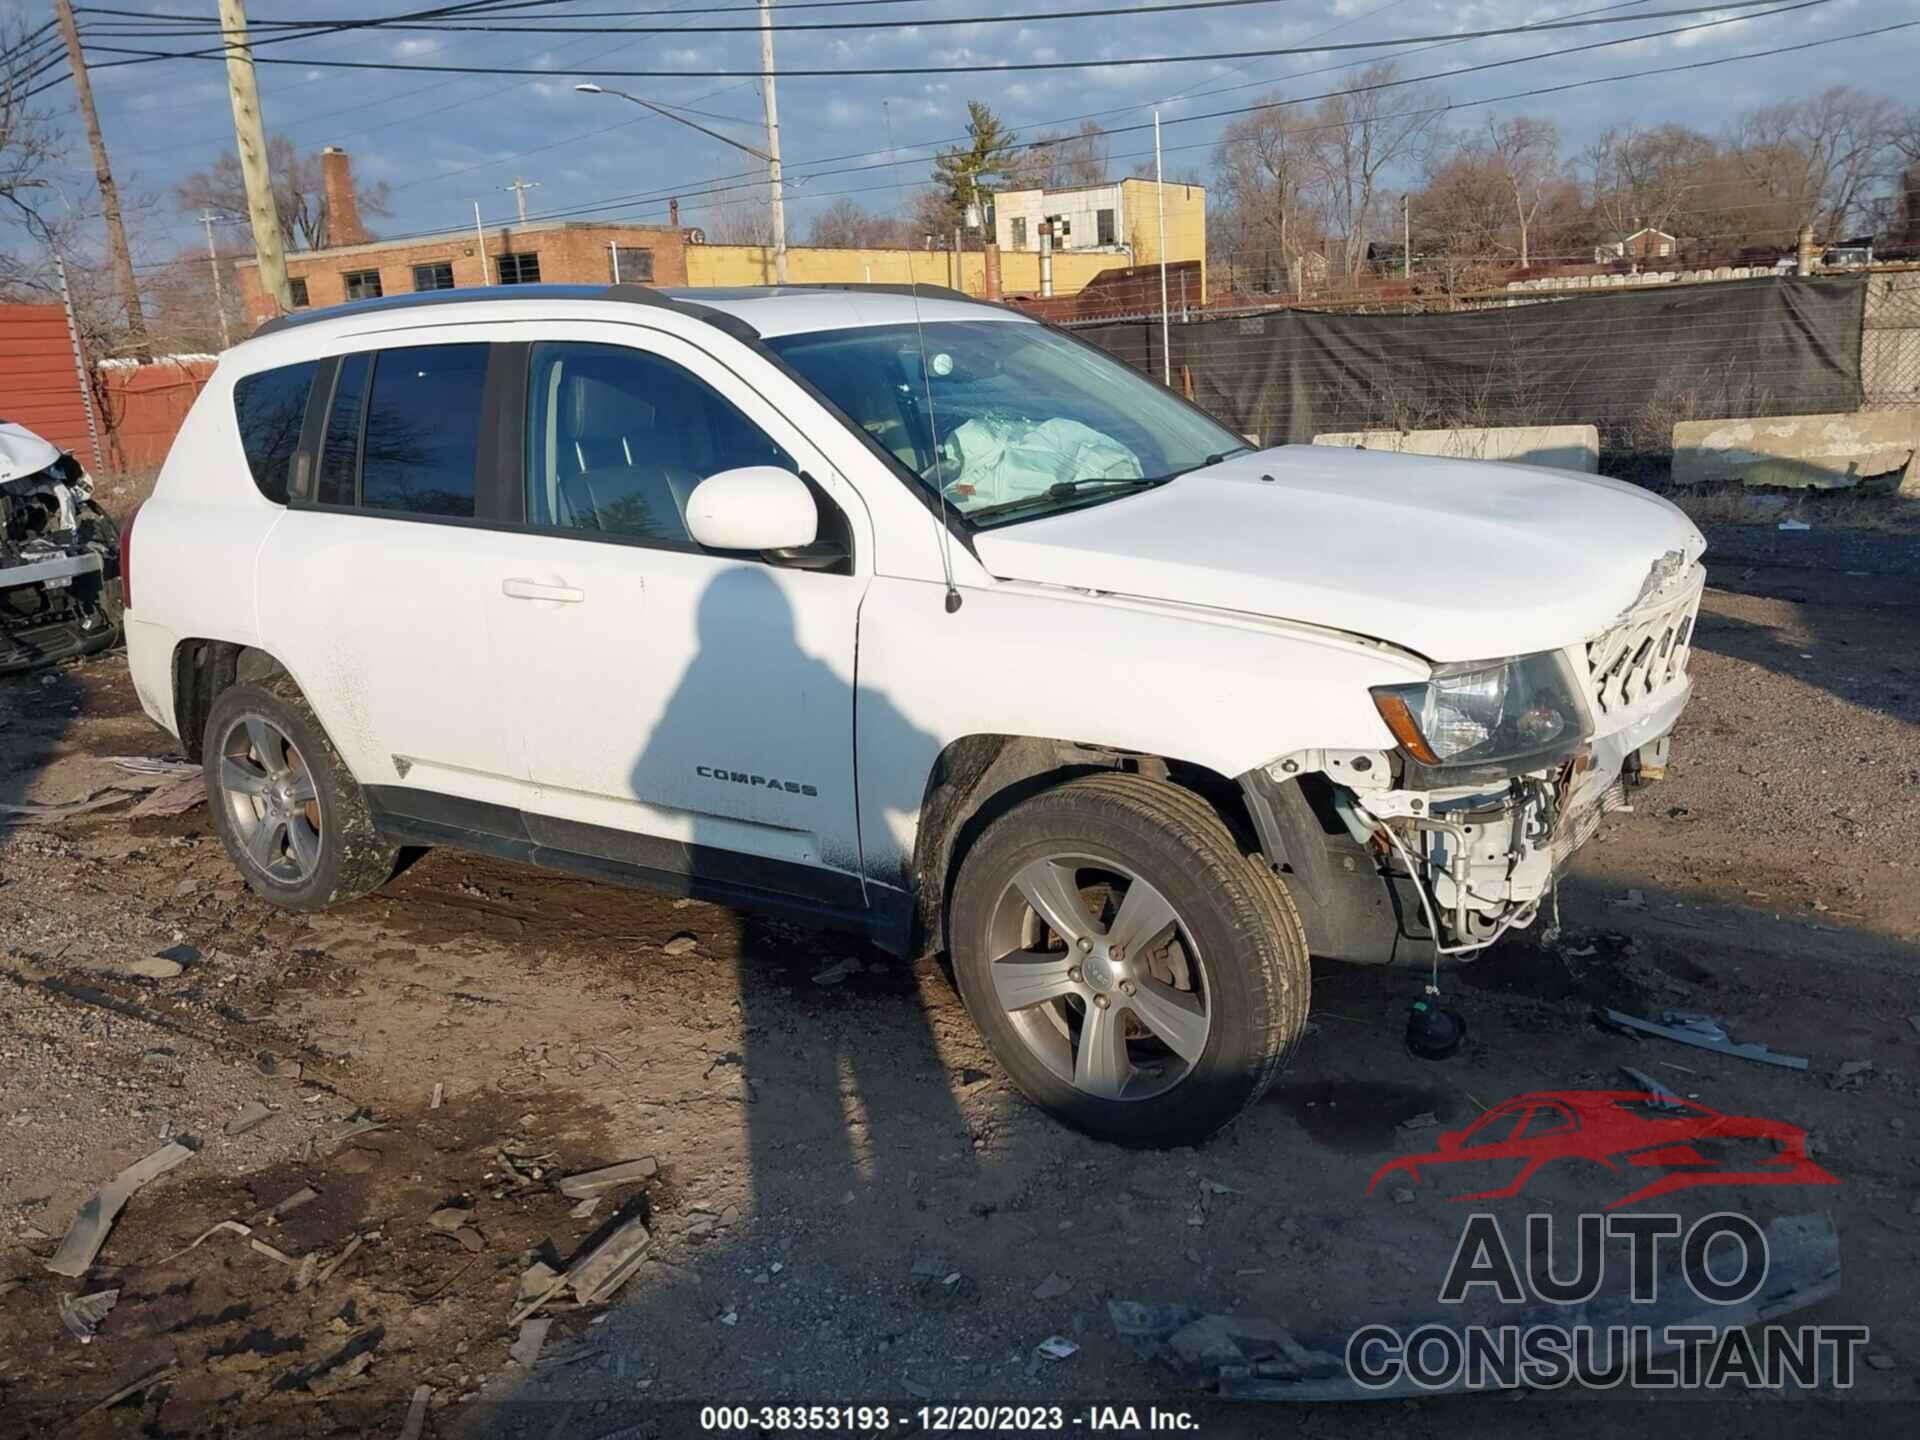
(844, 223)
(1060, 159)
(1363, 132)
(1647, 179)
(1263, 191)
(28, 148)
(1820, 156)
(299, 188)
(735, 216)
(1525, 151)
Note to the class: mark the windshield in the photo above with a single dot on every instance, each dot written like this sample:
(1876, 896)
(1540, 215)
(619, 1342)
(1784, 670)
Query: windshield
(1023, 421)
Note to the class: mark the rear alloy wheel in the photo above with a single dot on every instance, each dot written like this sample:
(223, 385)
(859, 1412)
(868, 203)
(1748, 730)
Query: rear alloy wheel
(1138, 976)
(290, 814)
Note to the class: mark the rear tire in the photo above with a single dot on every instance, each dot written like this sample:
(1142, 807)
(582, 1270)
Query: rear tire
(293, 819)
(1207, 974)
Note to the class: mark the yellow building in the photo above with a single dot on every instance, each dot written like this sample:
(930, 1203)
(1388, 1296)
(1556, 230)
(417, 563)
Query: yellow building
(824, 265)
(1120, 219)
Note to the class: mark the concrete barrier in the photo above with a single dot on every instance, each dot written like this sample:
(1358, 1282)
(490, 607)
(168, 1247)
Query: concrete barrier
(1562, 447)
(1821, 452)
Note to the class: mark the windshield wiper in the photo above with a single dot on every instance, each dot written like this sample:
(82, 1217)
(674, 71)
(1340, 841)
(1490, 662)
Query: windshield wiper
(1067, 489)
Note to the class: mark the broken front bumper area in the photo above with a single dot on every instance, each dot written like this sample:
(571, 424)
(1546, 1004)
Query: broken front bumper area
(1387, 875)
(59, 570)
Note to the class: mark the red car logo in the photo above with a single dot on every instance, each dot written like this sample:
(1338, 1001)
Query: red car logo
(1624, 1131)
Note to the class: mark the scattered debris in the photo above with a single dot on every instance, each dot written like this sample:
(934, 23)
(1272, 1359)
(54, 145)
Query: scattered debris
(680, 944)
(127, 1392)
(234, 1225)
(1663, 1098)
(592, 1277)
(1056, 1347)
(732, 1317)
(260, 1247)
(182, 954)
(169, 766)
(838, 972)
(450, 1217)
(153, 967)
(598, 1182)
(1402, 1195)
(417, 1413)
(1425, 1120)
(326, 1271)
(248, 1118)
(439, 1090)
(1632, 900)
(584, 1210)
(1053, 1287)
(533, 1336)
(535, 1279)
(1879, 1361)
(82, 1314)
(89, 1229)
(1851, 1075)
(175, 799)
(471, 1240)
(1693, 1028)
(305, 1195)
(98, 800)
(1793, 525)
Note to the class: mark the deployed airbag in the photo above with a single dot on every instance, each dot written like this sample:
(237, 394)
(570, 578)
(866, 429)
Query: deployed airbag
(992, 459)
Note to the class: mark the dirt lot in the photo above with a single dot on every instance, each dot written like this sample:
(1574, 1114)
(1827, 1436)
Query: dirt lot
(851, 1205)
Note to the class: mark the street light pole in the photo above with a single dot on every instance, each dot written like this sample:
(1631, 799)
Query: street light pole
(775, 189)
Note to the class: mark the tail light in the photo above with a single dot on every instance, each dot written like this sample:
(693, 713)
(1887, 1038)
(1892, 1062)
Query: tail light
(126, 562)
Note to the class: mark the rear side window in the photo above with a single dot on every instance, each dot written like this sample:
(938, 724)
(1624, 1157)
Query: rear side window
(340, 453)
(423, 430)
(270, 408)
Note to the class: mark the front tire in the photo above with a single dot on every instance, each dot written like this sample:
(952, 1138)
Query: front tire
(294, 821)
(1137, 975)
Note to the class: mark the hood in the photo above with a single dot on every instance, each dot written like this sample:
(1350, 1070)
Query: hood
(1452, 559)
(23, 453)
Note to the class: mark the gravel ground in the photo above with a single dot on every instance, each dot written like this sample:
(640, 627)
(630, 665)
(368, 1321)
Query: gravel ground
(850, 1204)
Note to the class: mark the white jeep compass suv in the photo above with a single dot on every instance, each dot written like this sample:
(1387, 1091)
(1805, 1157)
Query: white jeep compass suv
(917, 617)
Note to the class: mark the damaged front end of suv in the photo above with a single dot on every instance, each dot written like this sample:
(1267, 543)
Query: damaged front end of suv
(59, 556)
(1502, 769)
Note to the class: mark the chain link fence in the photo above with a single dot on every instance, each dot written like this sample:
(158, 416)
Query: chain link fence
(1890, 340)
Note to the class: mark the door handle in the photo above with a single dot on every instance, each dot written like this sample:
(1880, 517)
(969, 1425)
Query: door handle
(537, 590)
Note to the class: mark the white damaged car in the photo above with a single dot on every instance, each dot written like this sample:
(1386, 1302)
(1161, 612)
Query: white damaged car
(915, 617)
(59, 556)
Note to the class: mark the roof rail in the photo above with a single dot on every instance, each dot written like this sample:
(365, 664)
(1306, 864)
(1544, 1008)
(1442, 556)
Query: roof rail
(927, 292)
(628, 294)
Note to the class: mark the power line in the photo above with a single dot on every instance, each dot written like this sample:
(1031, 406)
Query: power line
(149, 56)
(612, 207)
(519, 27)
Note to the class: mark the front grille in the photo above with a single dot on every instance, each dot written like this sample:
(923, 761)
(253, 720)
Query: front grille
(1645, 653)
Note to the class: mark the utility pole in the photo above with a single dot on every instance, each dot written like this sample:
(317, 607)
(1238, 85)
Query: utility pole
(1406, 239)
(519, 188)
(1160, 209)
(103, 174)
(219, 291)
(250, 140)
(775, 190)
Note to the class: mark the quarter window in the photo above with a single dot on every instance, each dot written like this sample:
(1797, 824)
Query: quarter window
(363, 284)
(270, 408)
(423, 429)
(520, 269)
(437, 275)
(617, 439)
(340, 451)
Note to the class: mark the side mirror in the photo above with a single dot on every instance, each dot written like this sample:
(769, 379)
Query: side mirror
(756, 507)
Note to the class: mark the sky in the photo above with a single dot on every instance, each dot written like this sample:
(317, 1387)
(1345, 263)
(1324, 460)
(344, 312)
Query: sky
(443, 142)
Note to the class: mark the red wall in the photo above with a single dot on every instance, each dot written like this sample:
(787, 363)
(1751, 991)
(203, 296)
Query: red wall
(145, 406)
(39, 384)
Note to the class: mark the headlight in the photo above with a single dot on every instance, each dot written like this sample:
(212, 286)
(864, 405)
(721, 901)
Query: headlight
(1486, 711)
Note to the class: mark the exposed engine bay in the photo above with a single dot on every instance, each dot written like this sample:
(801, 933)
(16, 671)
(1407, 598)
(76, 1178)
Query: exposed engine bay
(59, 556)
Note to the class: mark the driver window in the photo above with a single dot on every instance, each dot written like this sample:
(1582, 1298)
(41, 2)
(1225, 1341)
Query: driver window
(617, 439)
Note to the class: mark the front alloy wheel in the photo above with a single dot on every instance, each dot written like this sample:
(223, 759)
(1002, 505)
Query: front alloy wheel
(1137, 973)
(1098, 978)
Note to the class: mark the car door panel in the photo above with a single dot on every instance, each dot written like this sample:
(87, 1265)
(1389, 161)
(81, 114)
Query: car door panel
(699, 705)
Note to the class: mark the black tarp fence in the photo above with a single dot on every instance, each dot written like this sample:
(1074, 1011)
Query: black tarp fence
(1632, 364)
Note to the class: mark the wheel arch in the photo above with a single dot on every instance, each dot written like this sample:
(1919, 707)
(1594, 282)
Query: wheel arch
(978, 778)
(202, 669)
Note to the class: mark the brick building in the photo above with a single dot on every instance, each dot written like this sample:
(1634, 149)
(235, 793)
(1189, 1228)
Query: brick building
(551, 251)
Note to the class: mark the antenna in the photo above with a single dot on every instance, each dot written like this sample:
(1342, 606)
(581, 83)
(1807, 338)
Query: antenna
(926, 379)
